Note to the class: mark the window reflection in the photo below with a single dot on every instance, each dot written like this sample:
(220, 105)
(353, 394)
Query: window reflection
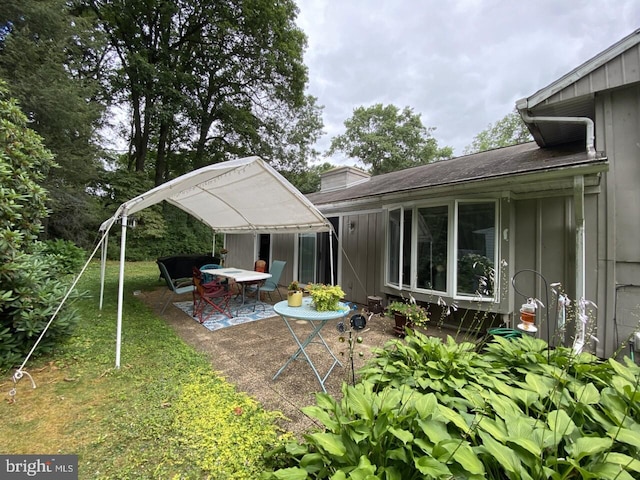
(433, 225)
(476, 248)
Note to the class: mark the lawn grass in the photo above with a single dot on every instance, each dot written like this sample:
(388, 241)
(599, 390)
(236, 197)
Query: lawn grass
(163, 414)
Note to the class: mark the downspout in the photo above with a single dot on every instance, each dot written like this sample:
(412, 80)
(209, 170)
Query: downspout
(578, 201)
(586, 121)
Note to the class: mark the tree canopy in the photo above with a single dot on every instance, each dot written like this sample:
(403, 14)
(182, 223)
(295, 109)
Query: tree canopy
(215, 78)
(197, 82)
(510, 130)
(49, 55)
(385, 139)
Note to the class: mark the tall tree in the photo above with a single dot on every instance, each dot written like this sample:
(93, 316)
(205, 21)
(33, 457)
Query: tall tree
(510, 130)
(308, 180)
(49, 57)
(211, 77)
(387, 139)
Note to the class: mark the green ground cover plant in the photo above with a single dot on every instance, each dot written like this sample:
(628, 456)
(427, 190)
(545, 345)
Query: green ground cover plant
(515, 409)
(164, 414)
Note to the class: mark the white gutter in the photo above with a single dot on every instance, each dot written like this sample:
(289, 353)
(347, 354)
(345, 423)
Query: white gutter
(586, 121)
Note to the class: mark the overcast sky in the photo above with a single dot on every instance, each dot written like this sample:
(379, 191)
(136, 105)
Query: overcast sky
(460, 64)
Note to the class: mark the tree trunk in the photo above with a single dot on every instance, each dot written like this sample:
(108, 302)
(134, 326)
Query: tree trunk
(161, 160)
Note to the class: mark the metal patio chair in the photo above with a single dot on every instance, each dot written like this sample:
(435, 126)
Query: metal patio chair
(175, 287)
(271, 284)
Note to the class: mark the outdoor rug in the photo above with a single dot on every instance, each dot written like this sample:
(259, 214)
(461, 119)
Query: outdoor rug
(216, 321)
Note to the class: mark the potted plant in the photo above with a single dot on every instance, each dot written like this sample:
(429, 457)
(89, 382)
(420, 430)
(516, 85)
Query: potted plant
(326, 297)
(407, 314)
(294, 294)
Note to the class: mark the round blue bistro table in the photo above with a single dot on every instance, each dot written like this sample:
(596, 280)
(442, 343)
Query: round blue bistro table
(317, 320)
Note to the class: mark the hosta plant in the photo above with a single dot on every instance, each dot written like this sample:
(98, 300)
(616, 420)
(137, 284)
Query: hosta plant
(515, 410)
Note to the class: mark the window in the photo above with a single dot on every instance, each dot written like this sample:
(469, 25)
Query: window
(453, 247)
(433, 224)
(475, 250)
(399, 247)
(307, 257)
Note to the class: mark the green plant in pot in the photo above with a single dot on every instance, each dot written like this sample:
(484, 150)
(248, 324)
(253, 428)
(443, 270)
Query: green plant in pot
(326, 297)
(294, 294)
(407, 314)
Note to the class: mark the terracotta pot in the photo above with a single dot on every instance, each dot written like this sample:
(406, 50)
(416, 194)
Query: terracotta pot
(401, 323)
(294, 299)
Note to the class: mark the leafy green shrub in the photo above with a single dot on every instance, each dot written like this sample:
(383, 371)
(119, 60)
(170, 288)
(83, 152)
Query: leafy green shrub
(69, 257)
(415, 314)
(325, 297)
(30, 286)
(518, 410)
(231, 433)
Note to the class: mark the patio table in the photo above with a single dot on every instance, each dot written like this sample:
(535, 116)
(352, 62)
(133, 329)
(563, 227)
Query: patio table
(241, 277)
(317, 320)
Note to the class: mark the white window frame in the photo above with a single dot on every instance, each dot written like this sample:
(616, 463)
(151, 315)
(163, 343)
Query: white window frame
(452, 249)
(496, 249)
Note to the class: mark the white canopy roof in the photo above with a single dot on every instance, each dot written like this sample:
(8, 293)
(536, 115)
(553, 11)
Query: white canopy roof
(238, 196)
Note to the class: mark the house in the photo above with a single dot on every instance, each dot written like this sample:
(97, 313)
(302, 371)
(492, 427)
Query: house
(485, 232)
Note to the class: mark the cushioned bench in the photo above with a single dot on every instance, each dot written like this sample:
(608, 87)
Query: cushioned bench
(181, 266)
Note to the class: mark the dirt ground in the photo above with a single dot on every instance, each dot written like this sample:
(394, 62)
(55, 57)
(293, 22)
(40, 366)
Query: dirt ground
(249, 355)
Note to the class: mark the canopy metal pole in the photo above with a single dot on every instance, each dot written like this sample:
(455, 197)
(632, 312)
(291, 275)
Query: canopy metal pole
(123, 241)
(103, 265)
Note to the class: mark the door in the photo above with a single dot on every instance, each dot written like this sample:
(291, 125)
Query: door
(264, 248)
(307, 255)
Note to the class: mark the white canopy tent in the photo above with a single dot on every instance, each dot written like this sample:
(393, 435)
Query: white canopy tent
(239, 196)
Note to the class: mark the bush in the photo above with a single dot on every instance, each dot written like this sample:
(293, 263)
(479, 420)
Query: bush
(518, 410)
(30, 285)
(68, 256)
(27, 306)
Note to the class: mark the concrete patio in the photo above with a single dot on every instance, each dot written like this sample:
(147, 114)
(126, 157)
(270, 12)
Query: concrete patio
(249, 355)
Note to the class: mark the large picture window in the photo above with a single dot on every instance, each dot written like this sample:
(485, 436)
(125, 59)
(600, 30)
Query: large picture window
(448, 249)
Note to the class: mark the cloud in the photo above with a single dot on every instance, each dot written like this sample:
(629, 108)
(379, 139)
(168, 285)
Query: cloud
(460, 64)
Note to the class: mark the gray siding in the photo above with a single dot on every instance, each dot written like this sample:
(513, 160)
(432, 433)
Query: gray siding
(362, 260)
(619, 71)
(544, 242)
(241, 248)
(282, 248)
(618, 133)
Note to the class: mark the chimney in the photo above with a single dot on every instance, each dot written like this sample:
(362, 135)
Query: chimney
(340, 178)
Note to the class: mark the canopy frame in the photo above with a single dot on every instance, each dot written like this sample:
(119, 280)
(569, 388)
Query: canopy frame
(229, 197)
